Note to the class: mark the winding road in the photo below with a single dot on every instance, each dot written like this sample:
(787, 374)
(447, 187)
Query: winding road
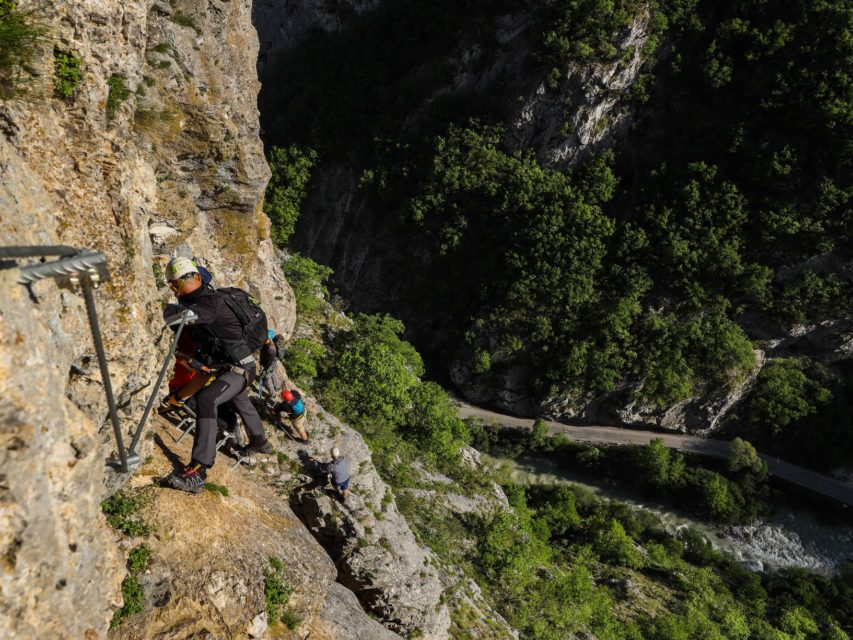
(817, 482)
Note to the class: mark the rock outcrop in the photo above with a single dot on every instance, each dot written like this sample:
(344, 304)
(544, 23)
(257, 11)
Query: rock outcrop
(377, 556)
(587, 110)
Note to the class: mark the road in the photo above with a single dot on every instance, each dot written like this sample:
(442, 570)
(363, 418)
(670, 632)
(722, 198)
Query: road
(817, 482)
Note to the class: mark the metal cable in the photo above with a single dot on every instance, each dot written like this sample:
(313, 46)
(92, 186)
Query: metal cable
(105, 372)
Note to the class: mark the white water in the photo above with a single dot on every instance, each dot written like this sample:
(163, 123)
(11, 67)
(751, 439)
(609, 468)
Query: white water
(788, 538)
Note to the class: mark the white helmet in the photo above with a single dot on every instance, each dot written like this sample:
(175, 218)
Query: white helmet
(180, 266)
(336, 453)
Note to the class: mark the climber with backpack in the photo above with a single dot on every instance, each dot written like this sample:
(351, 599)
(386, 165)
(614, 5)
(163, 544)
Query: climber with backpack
(230, 326)
(292, 406)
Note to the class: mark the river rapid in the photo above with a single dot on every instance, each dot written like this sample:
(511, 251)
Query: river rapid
(788, 538)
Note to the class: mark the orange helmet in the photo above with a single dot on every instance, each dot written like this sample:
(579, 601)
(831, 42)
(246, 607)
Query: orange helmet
(287, 395)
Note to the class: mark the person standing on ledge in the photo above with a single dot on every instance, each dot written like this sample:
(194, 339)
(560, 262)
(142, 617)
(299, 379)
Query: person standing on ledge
(291, 405)
(338, 470)
(220, 335)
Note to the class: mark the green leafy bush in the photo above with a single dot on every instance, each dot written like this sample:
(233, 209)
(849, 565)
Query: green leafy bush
(133, 597)
(121, 510)
(137, 560)
(68, 72)
(118, 93)
(539, 433)
(20, 33)
(308, 279)
(434, 422)
(302, 358)
(277, 594)
(291, 170)
(375, 371)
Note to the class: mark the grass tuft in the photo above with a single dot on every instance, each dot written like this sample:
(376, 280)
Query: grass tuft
(119, 92)
(216, 488)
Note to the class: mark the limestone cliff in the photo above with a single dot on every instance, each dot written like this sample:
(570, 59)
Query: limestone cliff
(168, 159)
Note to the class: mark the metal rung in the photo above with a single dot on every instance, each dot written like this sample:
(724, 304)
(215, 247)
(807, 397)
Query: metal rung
(189, 429)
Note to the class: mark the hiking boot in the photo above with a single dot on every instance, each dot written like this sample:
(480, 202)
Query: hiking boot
(254, 449)
(190, 479)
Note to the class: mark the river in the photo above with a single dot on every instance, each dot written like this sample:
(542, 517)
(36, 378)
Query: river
(788, 538)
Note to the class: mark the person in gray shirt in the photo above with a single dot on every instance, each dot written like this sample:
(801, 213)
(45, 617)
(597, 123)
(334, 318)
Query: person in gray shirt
(338, 469)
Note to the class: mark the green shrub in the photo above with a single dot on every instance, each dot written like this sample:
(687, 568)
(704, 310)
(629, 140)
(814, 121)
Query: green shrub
(375, 372)
(291, 170)
(20, 34)
(118, 93)
(137, 560)
(434, 422)
(277, 593)
(308, 279)
(134, 598)
(121, 511)
(302, 358)
(539, 433)
(68, 71)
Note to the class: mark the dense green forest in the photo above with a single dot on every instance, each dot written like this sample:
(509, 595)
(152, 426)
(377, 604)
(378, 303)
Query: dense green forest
(560, 561)
(727, 206)
(719, 222)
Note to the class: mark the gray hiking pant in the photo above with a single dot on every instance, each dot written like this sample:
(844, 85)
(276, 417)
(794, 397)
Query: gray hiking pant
(227, 386)
(273, 382)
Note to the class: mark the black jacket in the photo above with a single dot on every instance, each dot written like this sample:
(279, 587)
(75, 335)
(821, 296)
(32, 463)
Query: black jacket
(217, 331)
(269, 354)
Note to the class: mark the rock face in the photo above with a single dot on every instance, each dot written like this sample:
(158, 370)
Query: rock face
(59, 573)
(585, 112)
(168, 160)
(209, 553)
(376, 554)
(281, 23)
(343, 617)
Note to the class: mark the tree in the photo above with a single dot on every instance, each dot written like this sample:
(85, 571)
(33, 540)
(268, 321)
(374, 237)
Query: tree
(291, 170)
(375, 371)
(539, 433)
(714, 495)
(655, 462)
(434, 422)
(612, 544)
(743, 456)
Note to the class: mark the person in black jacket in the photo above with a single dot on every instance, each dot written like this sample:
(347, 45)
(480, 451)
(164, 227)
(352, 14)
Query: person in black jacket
(219, 336)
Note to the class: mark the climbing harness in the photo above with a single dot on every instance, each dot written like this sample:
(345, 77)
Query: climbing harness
(84, 269)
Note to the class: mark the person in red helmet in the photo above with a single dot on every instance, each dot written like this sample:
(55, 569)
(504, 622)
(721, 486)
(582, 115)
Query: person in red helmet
(291, 404)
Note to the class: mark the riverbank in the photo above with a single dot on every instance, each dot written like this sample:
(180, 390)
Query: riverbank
(792, 536)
